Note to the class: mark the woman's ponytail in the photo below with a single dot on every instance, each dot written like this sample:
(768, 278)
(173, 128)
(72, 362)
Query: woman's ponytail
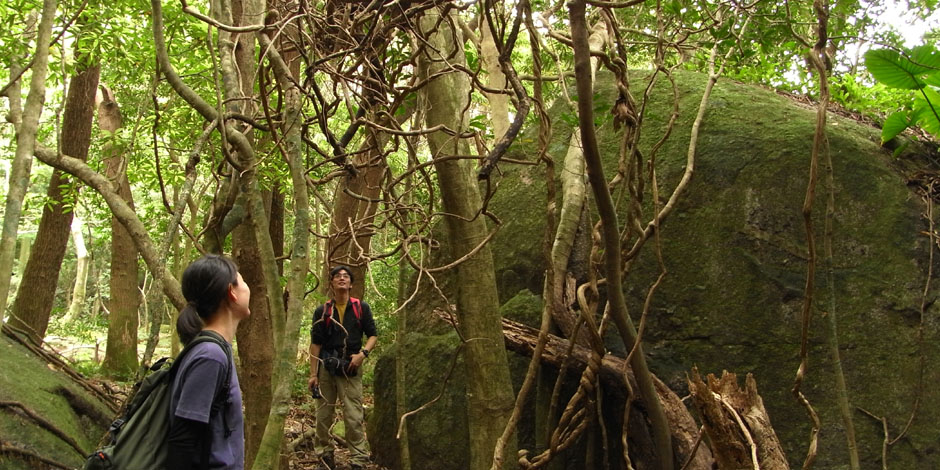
(189, 324)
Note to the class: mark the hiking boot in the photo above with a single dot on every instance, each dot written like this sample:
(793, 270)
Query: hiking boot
(356, 466)
(327, 463)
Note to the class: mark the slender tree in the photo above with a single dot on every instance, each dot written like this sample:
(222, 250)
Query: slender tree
(33, 305)
(81, 270)
(121, 354)
(27, 125)
(490, 394)
(611, 235)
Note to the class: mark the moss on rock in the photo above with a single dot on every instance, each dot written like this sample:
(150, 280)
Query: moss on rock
(29, 381)
(736, 254)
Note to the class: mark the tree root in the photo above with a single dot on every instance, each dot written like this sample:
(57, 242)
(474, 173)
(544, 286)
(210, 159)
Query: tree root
(53, 359)
(13, 449)
(10, 405)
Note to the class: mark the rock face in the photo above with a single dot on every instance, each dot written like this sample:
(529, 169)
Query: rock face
(27, 380)
(736, 253)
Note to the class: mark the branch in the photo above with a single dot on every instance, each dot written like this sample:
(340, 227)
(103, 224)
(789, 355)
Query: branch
(124, 213)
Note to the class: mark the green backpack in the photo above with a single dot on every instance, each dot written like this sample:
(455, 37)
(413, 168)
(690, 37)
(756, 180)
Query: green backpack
(138, 438)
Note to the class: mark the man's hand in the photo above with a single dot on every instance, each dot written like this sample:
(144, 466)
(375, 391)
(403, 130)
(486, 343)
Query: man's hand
(313, 382)
(356, 360)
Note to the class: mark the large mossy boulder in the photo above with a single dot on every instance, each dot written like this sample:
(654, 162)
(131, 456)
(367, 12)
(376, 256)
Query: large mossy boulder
(736, 253)
(57, 400)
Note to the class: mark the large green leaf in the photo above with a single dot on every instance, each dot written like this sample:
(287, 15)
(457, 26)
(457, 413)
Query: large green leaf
(927, 110)
(902, 71)
(894, 125)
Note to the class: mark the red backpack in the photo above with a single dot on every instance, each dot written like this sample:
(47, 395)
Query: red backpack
(353, 302)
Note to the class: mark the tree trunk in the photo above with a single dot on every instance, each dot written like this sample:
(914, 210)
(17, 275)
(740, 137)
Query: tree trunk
(255, 339)
(286, 324)
(351, 226)
(33, 305)
(490, 394)
(121, 351)
(495, 79)
(256, 350)
(354, 206)
(25, 145)
(81, 271)
(574, 201)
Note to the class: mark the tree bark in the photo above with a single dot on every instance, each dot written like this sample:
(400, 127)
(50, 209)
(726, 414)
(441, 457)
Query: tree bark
(354, 206)
(256, 350)
(257, 355)
(490, 394)
(495, 79)
(25, 145)
(121, 354)
(574, 202)
(81, 271)
(736, 423)
(351, 226)
(33, 305)
(286, 325)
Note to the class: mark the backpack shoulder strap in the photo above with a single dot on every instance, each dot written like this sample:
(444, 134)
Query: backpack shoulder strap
(328, 313)
(357, 309)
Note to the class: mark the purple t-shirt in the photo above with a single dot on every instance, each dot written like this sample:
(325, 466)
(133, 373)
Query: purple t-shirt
(201, 373)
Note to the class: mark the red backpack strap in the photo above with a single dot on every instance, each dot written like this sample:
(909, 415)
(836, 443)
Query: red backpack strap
(327, 313)
(357, 310)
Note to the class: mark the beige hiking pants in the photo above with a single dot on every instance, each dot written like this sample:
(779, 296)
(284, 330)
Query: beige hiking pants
(345, 392)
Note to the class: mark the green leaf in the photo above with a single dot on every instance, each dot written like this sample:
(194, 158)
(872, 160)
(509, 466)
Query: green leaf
(894, 125)
(894, 70)
(898, 151)
(927, 109)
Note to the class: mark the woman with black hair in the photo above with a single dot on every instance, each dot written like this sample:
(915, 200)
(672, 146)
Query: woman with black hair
(206, 424)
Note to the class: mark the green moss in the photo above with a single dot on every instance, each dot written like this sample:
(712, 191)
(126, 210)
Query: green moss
(431, 379)
(736, 254)
(525, 307)
(31, 382)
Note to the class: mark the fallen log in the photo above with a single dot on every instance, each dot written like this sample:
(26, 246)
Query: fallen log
(614, 374)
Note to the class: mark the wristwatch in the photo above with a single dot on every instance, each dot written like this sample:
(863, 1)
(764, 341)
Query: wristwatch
(365, 352)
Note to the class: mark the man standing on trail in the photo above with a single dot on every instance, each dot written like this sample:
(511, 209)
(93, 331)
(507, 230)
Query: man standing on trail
(336, 354)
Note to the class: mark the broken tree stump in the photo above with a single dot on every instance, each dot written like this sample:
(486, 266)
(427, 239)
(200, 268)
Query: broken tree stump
(736, 423)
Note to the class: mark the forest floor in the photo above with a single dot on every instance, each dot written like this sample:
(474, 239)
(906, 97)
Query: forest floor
(299, 428)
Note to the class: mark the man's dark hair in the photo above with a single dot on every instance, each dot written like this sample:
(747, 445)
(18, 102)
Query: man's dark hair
(335, 270)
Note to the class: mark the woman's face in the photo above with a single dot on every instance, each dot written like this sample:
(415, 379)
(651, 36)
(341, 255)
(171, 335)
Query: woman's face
(240, 295)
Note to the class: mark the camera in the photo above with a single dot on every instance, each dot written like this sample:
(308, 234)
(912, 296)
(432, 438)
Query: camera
(336, 364)
(315, 392)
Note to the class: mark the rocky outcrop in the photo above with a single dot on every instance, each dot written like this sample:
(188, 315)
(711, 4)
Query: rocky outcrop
(736, 255)
(45, 416)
